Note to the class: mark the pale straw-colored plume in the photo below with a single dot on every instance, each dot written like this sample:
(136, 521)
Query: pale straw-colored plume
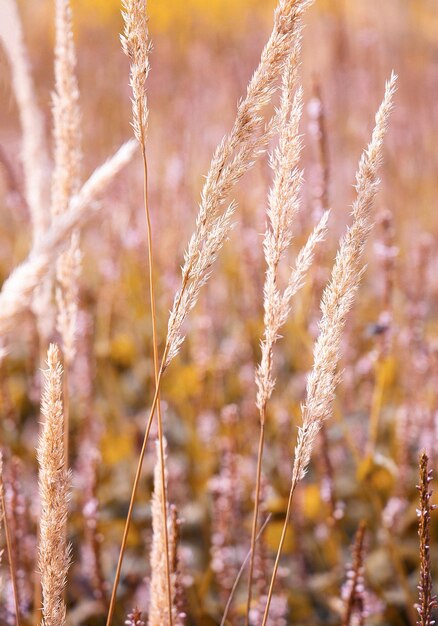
(283, 206)
(339, 295)
(54, 488)
(158, 607)
(234, 156)
(34, 152)
(16, 293)
(66, 174)
(337, 300)
(136, 45)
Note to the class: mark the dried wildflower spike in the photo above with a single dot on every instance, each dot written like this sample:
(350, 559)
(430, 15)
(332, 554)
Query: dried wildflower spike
(135, 618)
(427, 602)
(9, 547)
(21, 536)
(136, 45)
(353, 590)
(54, 488)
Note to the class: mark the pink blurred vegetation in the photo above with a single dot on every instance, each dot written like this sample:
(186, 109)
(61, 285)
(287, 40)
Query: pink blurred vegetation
(352, 554)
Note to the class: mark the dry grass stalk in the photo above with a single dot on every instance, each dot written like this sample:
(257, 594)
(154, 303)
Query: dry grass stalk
(354, 589)
(66, 174)
(34, 148)
(54, 487)
(339, 295)
(284, 204)
(17, 290)
(234, 156)
(337, 300)
(4, 519)
(158, 608)
(137, 46)
(427, 601)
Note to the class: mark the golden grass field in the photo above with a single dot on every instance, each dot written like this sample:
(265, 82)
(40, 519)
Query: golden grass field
(351, 550)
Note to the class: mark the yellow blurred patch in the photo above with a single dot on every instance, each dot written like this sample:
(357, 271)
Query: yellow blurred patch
(312, 503)
(117, 446)
(184, 385)
(273, 535)
(174, 14)
(379, 472)
(17, 392)
(122, 350)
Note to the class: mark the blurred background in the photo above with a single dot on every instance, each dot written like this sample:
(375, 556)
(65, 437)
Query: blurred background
(203, 56)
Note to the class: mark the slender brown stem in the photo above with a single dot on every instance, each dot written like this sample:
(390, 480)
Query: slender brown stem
(138, 471)
(255, 513)
(155, 403)
(111, 608)
(10, 559)
(131, 503)
(156, 374)
(241, 570)
(279, 551)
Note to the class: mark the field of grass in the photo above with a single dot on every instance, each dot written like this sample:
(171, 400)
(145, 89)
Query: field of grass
(219, 351)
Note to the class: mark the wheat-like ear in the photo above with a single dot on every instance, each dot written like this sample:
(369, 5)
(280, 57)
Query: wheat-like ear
(17, 290)
(283, 206)
(54, 488)
(234, 156)
(339, 295)
(337, 300)
(34, 146)
(136, 44)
